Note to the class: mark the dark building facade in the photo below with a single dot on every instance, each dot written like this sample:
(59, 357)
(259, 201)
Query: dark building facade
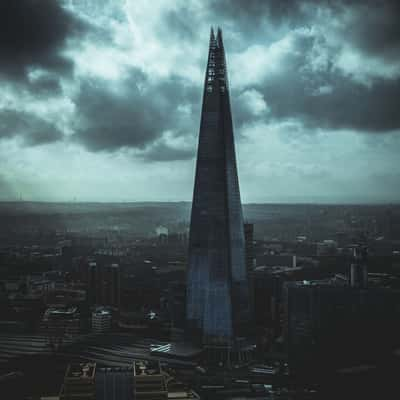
(330, 326)
(218, 303)
(104, 284)
(249, 238)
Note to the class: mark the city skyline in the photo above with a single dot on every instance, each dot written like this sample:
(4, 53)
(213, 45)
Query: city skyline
(101, 100)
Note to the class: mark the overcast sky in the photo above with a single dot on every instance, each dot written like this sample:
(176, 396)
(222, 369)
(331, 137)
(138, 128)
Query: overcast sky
(100, 99)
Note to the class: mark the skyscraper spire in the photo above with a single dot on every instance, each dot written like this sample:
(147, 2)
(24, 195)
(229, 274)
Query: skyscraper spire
(219, 37)
(212, 36)
(218, 302)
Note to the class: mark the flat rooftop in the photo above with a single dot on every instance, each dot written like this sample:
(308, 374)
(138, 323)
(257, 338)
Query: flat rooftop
(141, 368)
(101, 312)
(81, 370)
(61, 311)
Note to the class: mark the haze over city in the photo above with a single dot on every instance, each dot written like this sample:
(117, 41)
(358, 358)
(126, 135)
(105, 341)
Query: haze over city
(101, 100)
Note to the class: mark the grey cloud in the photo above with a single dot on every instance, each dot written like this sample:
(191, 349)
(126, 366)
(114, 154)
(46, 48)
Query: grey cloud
(32, 129)
(97, 17)
(354, 106)
(33, 34)
(136, 112)
(163, 152)
(375, 28)
(180, 22)
(243, 111)
(45, 86)
(347, 104)
(95, 9)
(133, 116)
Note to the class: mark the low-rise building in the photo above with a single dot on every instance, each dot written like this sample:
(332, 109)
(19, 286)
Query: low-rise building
(79, 382)
(149, 381)
(101, 320)
(59, 322)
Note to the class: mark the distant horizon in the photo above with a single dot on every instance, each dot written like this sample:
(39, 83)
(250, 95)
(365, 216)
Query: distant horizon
(73, 202)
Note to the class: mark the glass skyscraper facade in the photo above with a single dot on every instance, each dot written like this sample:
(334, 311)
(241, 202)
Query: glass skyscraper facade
(218, 302)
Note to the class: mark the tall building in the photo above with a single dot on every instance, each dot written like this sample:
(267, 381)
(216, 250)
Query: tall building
(358, 269)
(60, 322)
(92, 275)
(249, 238)
(218, 304)
(104, 284)
(112, 285)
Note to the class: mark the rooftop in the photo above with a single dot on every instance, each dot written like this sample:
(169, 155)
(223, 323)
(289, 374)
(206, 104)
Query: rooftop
(60, 312)
(81, 371)
(101, 311)
(146, 368)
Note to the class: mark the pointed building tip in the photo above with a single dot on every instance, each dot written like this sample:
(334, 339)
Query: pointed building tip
(212, 36)
(219, 37)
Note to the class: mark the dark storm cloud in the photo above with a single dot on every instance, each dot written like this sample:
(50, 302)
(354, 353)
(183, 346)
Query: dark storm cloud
(33, 33)
(375, 27)
(33, 130)
(324, 97)
(133, 116)
(302, 92)
(135, 111)
(349, 105)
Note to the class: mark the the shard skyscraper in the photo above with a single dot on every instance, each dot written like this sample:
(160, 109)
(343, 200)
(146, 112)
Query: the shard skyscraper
(218, 302)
